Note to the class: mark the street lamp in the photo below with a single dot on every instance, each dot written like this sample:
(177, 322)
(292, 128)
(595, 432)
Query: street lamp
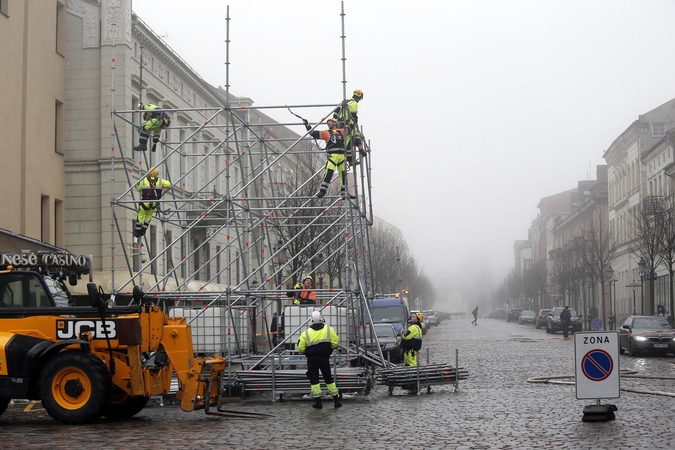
(612, 314)
(642, 264)
(320, 269)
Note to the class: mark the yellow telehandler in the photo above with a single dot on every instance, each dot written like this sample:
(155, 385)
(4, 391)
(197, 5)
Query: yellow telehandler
(88, 362)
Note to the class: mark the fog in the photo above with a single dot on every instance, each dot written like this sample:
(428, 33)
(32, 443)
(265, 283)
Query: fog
(474, 110)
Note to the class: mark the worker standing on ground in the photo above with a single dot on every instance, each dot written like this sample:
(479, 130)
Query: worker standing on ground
(335, 147)
(151, 188)
(412, 340)
(475, 316)
(348, 117)
(303, 293)
(155, 120)
(317, 343)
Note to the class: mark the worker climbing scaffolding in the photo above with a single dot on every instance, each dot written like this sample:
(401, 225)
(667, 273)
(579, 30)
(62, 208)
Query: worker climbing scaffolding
(155, 120)
(335, 147)
(151, 188)
(347, 115)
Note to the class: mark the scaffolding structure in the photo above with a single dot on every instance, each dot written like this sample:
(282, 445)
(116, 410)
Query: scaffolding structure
(241, 224)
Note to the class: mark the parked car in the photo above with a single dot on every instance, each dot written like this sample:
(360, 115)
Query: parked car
(541, 318)
(431, 317)
(527, 316)
(646, 334)
(553, 324)
(513, 314)
(498, 313)
(389, 339)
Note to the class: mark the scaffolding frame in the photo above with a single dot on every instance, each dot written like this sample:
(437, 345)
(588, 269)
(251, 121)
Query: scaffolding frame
(266, 209)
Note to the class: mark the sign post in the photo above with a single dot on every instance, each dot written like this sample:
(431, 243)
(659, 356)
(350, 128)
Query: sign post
(596, 372)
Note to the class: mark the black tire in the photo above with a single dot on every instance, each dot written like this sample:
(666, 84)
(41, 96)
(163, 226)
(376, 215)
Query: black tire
(124, 406)
(548, 330)
(632, 350)
(4, 403)
(75, 387)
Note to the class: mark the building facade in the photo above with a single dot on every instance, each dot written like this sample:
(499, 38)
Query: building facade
(32, 136)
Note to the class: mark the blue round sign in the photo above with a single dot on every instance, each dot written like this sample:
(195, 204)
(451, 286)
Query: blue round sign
(597, 365)
(596, 324)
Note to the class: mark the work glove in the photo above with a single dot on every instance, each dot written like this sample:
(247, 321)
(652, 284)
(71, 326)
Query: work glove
(306, 123)
(296, 302)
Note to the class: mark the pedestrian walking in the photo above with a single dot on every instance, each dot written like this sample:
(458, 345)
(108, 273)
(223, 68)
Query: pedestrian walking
(274, 327)
(475, 316)
(317, 343)
(151, 188)
(565, 317)
(411, 341)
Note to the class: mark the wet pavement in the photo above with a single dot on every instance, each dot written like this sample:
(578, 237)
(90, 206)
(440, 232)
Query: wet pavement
(495, 408)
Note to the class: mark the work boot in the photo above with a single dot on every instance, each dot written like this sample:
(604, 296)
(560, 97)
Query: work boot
(345, 195)
(321, 193)
(317, 404)
(141, 147)
(363, 152)
(336, 401)
(355, 163)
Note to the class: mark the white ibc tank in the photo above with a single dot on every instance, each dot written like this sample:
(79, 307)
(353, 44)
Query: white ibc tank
(210, 328)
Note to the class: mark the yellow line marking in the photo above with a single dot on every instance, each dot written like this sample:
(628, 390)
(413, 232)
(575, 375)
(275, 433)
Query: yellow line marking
(29, 408)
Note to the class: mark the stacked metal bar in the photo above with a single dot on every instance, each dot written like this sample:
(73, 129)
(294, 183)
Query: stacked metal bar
(295, 381)
(429, 375)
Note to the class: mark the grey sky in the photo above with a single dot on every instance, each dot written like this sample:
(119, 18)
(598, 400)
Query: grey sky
(475, 110)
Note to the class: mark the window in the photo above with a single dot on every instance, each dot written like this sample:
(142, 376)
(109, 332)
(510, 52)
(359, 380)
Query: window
(168, 253)
(4, 7)
(59, 129)
(658, 129)
(60, 28)
(45, 219)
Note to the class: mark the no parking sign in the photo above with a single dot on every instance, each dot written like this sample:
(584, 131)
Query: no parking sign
(596, 373)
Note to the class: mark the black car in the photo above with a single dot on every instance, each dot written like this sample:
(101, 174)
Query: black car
(389, 339)
(541, 318)
(513, 314)
(527, 317)
(554, 325)
(646, 334)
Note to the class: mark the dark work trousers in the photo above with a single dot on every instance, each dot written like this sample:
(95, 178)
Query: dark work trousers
(565, 327)
(316, 363)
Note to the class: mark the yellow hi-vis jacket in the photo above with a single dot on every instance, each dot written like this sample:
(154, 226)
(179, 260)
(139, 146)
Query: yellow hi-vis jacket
(318, 340)
(412, 338)
(152, 192)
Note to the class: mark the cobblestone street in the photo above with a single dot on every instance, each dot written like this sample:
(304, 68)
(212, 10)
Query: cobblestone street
(496, 408)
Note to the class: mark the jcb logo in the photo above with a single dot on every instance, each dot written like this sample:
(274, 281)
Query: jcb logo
(71, 329)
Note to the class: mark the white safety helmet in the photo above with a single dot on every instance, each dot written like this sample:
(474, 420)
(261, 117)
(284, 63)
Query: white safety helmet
(316, 317)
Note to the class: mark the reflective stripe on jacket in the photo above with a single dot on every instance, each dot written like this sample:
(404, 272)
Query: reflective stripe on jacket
(318, 340)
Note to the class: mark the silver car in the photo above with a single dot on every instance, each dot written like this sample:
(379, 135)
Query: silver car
(646, 334)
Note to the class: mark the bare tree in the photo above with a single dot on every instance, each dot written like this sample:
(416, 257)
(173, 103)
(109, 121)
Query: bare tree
(667, 247)
(647, 226)
(599, 248)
